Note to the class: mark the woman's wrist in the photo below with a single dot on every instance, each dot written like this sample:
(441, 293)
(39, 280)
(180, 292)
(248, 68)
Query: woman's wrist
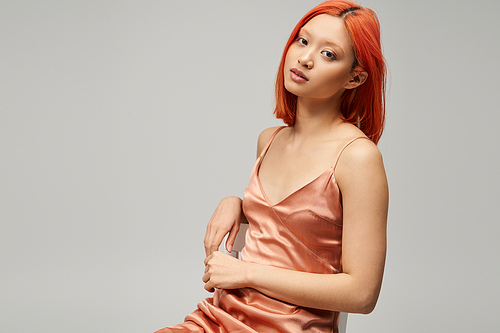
(235, 203)
(250, 273)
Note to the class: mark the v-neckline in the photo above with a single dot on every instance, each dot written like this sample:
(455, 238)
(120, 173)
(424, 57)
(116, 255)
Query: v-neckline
(258, 164)
(257, 170)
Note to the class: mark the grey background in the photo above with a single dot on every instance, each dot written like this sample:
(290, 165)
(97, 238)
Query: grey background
(123, 123)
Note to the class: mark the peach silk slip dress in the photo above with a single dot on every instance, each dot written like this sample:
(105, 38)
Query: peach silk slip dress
(302, 232)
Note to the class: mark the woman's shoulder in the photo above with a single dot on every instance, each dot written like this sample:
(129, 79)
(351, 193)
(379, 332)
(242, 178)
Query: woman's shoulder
(358, 150)
(356, 144)
(264, 138)
(361, 149)
(360, 158)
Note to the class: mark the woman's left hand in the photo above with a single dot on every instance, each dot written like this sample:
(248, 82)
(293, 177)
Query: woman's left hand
(224, 272)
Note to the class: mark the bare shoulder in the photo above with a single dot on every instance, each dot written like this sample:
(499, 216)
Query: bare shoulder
(264, 138)
(361, 159)
(361, 151)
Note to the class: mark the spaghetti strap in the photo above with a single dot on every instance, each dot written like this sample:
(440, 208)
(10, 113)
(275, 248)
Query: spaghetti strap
(270, 141)
(341, 150)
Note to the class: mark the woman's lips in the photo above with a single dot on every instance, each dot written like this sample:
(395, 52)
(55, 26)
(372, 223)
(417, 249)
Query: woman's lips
(298, 76)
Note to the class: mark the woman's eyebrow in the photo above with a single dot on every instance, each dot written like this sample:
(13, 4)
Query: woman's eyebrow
(331, 43)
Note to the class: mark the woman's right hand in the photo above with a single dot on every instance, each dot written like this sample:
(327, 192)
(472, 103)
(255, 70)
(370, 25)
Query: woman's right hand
(226, 219)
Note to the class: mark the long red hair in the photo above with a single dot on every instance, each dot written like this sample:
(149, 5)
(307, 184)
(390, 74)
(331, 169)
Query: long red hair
(363, 106)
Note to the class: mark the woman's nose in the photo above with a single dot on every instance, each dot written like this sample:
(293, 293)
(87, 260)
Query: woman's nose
(306, 60)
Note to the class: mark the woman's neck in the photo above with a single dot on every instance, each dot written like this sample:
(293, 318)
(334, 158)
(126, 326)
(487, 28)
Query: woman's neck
(315, 117)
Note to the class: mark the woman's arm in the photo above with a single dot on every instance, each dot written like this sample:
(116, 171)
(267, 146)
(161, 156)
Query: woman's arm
(228, 215)
(361, 177)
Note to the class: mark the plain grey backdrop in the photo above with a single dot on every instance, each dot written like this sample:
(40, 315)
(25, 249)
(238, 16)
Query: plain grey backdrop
(123, 123)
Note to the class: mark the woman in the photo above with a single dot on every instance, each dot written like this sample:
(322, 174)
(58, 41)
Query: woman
(317, 199)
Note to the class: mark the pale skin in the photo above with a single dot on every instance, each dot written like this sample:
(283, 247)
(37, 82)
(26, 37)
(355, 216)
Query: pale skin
(323, 53)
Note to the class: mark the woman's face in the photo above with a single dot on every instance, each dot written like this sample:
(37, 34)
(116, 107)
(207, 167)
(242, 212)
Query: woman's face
(318, 63)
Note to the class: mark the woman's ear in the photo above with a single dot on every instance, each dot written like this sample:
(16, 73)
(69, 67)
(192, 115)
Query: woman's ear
(356, 79)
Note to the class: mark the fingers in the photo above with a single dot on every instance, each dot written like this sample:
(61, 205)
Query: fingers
(206, 277)
(227, 215)
(212, 244)
(222, 271)
(207, 242)
(213, 238)
(232, 236)
(210, 241)
(207, 259)
(208, 286)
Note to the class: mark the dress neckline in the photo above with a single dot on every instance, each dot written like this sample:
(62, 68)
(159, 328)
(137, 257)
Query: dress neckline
(257, 169)
(330, 170)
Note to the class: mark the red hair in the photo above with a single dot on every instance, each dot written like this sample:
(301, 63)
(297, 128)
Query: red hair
(363, 106)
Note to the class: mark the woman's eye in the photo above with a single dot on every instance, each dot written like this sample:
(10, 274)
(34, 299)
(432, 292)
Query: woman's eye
(329, 55)
(302, 41)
